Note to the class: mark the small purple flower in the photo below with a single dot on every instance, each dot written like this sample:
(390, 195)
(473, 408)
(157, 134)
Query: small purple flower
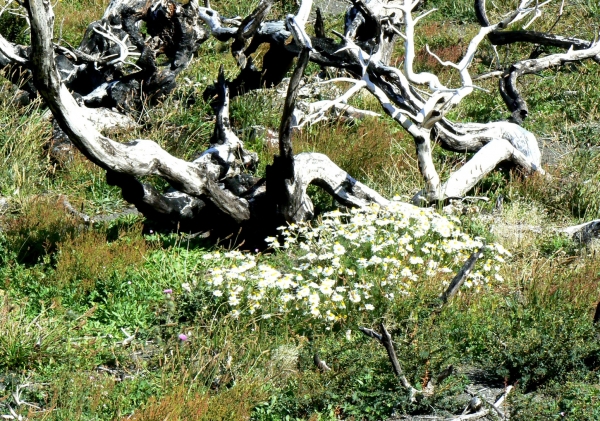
(183, 337)
(168, 291)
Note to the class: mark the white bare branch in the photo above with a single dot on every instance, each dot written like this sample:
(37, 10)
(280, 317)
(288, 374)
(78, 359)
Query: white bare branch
(215, 23)
(296, 25)
(423, 78)
(536, 65)
(584, 233)
(484, 161)
(317, 110)
(125, 51)
(137, 158)
(505, 141)
(9, 50)
(421, 16)
(303, 13)
(443, 99)
(316, 168)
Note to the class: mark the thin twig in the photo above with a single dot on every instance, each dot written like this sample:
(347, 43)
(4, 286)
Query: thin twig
(71, 209)
(385, 339)
(461, 276)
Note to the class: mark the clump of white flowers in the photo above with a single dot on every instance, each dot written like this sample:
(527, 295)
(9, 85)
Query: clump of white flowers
(352, 261)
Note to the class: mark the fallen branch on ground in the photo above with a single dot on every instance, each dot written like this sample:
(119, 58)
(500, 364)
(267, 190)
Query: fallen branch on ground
(385, 339)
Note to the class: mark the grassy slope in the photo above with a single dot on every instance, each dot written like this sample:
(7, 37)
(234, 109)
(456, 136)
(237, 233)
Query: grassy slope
(71, 296)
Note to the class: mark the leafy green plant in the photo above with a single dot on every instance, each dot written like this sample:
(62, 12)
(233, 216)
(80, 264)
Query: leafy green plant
(572, 400)
(558, 243)
(537, 334)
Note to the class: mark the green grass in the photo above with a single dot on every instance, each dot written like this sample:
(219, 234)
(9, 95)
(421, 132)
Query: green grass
(91, 317)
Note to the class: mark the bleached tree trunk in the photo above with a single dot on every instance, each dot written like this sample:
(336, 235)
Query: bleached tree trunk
(212, 187)
(217, 190)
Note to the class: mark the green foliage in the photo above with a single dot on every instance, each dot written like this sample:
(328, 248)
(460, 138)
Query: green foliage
(12, 27)
(552, 245)
(572, 400)
(88, 258)
(73, 17)
(536, 334)
(28, 342)
(106, 323)
(257, 108)
(96, 395)
(458, 11)
(366, 391)
(81, 179)
(23, 162)
(575, 191)
(529, 345)
(583, 196)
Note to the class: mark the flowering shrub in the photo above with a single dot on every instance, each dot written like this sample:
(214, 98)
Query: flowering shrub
(362, 260)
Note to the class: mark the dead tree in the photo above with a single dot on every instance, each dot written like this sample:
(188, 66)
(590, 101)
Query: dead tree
(212, 192)
(419, 102)
(116, 65)
(216, 191)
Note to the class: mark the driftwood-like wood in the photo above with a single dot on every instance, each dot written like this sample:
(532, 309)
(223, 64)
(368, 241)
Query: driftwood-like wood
(577, 50)
(115, 66)
(361, 52)
(584, 233)
(460, 277)
(123, 162)
(215, 192)
(281, 179)
(321, 365)
(385, 339)
(597, 314)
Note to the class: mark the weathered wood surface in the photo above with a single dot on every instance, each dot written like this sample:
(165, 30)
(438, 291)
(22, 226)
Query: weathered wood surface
(217, 189)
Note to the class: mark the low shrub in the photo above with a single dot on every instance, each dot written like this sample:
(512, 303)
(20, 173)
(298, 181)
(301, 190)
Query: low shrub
(350, 265)
(36, 232)
(560, 400)
(84, 259)
(185, 404)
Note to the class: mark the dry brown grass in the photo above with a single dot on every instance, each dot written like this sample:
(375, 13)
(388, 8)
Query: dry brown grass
(89, 256)
(371, 151)
(41, 225)
(76, 393)
(45, 230)
(432, 33)
(73, 18)
(451, 53)
(181, 404)
(520, 225)
(572, 279)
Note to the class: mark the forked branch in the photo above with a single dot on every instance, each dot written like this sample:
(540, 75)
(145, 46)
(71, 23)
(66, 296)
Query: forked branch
(385, 339)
